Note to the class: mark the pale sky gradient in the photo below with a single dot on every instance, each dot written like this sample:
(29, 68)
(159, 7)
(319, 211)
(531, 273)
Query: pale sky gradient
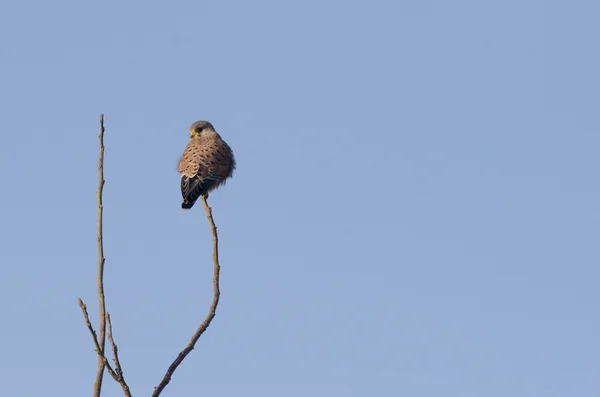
(416, 209)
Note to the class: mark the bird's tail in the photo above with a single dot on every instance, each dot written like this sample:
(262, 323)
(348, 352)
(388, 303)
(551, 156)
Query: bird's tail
(186, 205)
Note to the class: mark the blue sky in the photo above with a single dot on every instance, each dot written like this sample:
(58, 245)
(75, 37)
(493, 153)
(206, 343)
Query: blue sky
(415, 211)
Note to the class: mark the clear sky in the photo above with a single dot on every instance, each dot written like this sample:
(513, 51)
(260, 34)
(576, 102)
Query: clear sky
(416, 209)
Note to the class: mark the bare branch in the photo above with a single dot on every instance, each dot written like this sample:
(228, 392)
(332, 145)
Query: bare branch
(213, 307)
(115, 349)
(101, 356)
(101, 260)
(99, 342)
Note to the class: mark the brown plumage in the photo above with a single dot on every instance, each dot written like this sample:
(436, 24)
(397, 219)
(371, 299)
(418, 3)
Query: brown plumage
(206, 163)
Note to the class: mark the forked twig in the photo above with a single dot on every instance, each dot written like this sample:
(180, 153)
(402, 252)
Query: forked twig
(212, 310)
(99, 342)
(117, 375)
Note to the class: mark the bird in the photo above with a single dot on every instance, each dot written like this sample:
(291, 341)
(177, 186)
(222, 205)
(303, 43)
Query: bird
(206, 163)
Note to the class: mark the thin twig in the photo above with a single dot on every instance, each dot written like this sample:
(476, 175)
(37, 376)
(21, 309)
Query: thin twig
(101, 260)
(101, 356)
(211, 313)
(115, 349)
(104, 316)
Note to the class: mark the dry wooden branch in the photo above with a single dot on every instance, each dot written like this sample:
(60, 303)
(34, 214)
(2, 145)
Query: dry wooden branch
(213, 307)
(101, 260)
(115, 349)
(117, 376)
(99, 342)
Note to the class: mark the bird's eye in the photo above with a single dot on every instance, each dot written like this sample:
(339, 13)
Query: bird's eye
(198, 129)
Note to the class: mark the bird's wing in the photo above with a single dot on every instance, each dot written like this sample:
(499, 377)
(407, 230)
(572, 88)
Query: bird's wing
(192, 188)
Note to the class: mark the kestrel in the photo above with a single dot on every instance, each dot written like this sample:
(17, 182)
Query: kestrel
(206, 163)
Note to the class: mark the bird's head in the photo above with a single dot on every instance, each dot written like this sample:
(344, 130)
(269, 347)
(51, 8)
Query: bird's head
(200, 127)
